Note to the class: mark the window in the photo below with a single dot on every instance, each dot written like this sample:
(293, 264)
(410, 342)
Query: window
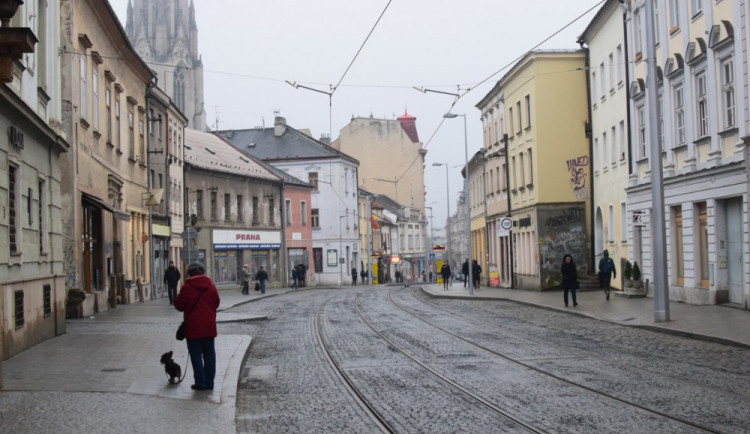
(214, 210)
(501, 179)
(679, 113)
(312, 179)
(227, 206)
(613, 154)
(47, 300)
(523, 171)
(604, 150)
(95, 98)
(674, 15)
(637, 29)
(41, 207)
(597, 155)
(303, 213)
(18, 304)
(142, 143)
(620, 63)
(660, 116)
(611, 222)
(727, 92)
(696, 7)
(255, 210)
(703, 244)
(603, 78)
(622, 141)
(288, 212)
(518, 112)
(593, 87)
(240, 215)
(271, 212)
(531, 168)
(315, 218)
(346, 180)
(679, 259)
(117, 121)
(108, 105)
(131, 134)
(527, 98)
(199, 204)
(83, 86)
(515, 180)
(151, 121)
(641, 118)
(510, 120)
(179, 89)
(13, 221)
(701, 104)
(623, 223)
(612, 72)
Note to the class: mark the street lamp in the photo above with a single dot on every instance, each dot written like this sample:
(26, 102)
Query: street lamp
(449, 247)
(341, 249)
(450, 115)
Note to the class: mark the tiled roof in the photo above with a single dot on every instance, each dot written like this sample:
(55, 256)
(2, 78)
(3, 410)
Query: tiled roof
(207, 151)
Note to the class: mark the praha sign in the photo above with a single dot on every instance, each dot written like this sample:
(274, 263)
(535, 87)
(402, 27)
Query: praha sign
(238, 240)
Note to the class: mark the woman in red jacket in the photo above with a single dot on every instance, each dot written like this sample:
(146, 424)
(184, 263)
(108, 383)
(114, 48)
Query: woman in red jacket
(198, 299)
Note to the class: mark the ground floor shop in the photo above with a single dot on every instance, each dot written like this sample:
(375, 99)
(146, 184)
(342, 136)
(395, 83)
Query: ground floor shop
(232, 249)
(498, 270)
(706, 238)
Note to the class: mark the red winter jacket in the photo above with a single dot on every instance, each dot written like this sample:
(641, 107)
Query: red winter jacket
(200, 321)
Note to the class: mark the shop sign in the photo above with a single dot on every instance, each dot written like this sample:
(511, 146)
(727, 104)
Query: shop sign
(245, 239)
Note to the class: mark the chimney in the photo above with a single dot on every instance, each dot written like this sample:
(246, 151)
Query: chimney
(279, 126)
(325, 138)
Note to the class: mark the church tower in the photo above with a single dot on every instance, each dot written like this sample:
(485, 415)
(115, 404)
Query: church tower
(165, 35)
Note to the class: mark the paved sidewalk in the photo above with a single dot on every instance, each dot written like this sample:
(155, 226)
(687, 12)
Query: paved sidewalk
(117, 352)
(716, 323)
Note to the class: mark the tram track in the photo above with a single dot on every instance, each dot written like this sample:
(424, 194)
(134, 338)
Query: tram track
(540, 371)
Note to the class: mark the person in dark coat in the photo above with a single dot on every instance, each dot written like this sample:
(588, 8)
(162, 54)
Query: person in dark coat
(354, 276)
(294, 278)
(445, 271)
(261, 276)
(569, 279)
(606, 272)
(301, 274)
(198, 300)
(465, 272)
(476, 272)
(172, 278)
(363, 275)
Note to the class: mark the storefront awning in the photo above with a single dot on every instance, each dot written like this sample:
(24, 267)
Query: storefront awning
(95, 201)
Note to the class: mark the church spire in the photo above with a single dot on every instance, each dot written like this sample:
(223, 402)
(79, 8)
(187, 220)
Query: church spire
(129, 20)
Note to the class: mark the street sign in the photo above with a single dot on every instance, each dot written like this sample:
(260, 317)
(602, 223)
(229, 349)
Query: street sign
(504, 226)
(432, 256)
(189, 254)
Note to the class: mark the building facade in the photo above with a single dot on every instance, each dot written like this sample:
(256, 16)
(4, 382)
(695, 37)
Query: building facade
(333, 209)
(32, 279)
(545, 113)
(702, 115)
(104, 176)
(165, 35)
(235, 204)
(478, 212)
(604, 39)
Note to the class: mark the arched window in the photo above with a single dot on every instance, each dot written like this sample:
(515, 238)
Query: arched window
(179, 89)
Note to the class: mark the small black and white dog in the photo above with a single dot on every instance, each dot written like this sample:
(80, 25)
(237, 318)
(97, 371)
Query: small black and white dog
(171, 368)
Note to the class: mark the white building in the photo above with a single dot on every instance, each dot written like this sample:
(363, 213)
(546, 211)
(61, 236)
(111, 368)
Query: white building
(333, 174)
(701, 51)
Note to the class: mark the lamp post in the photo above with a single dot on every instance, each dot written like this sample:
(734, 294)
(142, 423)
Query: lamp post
(341, 249)
(449, 247)
(450, 115)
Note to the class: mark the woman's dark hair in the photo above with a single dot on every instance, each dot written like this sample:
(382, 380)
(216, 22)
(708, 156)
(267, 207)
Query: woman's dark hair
(196, 268)
(567, 256)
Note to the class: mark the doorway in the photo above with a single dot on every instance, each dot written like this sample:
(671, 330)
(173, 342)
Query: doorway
(735, 260)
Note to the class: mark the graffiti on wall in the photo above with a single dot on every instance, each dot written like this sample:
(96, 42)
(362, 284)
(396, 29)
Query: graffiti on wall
(562, 232)
(577, 170)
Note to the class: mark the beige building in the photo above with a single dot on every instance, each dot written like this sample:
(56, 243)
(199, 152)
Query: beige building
(104, 176)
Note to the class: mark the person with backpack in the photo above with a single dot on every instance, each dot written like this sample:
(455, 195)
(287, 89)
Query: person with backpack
(606, 272)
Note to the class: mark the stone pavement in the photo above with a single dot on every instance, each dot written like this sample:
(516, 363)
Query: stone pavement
(117, 353)
(717, 323)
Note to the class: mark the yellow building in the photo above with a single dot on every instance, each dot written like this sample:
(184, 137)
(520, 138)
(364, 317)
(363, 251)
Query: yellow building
(543, 99)
(478, 208)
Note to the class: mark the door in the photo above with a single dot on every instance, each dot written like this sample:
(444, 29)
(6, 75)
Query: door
(734, 250)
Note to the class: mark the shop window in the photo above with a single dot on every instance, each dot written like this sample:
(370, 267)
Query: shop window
(679, 258)
(703, 244)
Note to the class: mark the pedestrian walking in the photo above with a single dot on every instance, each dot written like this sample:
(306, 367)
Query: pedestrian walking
(465, 272)
(569, 279)
(397, 275)
(354, 276)
(430, 276)
(476, 272)
(606, 272)
(245, 279)
(172, 278)
(445, 271)
(261, 276)
(363, 275)
(198, 300)
(301, 274)
(294, 278)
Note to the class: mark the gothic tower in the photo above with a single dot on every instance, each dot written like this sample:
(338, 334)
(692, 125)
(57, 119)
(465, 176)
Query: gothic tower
(165, 35)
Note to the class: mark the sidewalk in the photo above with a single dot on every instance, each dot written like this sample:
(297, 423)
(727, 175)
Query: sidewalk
(715, 323)
(118, 352)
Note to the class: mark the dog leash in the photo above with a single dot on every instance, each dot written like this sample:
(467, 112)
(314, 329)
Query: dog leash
(184, 373)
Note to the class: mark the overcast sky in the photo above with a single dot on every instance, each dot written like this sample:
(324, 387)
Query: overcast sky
(250, 47)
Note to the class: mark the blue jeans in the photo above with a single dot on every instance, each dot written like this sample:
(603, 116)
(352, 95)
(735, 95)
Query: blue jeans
(203, 359)
(262, 286)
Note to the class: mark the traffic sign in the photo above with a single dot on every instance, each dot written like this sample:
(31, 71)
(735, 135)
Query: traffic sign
(504, 226)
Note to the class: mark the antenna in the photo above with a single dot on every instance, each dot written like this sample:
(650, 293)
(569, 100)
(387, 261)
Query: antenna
(216, 123)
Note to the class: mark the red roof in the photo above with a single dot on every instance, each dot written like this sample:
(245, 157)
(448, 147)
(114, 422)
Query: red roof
(408, 123)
